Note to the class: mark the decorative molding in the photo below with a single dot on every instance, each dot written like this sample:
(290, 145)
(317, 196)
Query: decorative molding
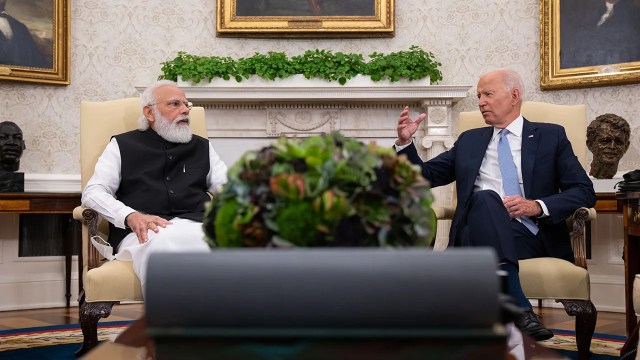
(36, 293)
(301, 122)
(606, 279)
(207, 95)
(357, 111)
(57, 183)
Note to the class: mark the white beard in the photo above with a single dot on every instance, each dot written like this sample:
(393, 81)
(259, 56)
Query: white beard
(172, 131)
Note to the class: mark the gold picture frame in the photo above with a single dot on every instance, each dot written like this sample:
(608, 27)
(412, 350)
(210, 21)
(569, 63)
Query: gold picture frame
(41, 31)
(585, 47)
(305, 18)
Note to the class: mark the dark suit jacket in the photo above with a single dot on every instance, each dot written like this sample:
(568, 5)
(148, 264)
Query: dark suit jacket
(21, 50)
(583, 43)
(550, 170)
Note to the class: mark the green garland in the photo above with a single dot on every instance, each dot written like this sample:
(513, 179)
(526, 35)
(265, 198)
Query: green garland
(412, 64)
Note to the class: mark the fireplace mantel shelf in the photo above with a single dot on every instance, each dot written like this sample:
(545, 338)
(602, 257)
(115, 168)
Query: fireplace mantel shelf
(373, 94)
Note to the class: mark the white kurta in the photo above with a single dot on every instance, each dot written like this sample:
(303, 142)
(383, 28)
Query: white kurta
(183, 235)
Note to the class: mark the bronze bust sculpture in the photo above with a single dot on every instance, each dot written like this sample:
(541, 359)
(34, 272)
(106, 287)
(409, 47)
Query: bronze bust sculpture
(608, 138)
(11, 147)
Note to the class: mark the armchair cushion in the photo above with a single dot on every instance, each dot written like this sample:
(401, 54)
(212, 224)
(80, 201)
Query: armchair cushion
(112, 281)
(551, 278)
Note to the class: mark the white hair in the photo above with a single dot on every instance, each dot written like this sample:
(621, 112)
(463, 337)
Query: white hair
(512, 80)
(148, 97)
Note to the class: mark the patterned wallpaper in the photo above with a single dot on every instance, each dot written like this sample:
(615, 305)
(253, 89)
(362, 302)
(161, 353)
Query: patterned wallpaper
(119, 44)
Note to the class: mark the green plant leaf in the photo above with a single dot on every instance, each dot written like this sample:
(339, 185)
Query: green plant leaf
(412, 64)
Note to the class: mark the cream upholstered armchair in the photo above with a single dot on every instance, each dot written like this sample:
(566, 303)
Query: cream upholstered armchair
(551, 278)
(107, 283)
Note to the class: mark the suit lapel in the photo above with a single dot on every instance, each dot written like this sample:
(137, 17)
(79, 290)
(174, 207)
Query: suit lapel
(530, 140)
(477, 149)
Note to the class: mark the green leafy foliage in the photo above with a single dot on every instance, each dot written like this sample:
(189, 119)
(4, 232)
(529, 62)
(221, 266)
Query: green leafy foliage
(270, 66)
(324, 190)
(199, 68)
(412, 64)
(324, 64)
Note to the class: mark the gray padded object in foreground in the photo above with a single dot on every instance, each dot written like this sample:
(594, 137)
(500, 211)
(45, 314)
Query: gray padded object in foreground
(301, 291)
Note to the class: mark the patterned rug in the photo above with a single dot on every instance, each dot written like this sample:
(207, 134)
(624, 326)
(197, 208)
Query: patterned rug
(605, 345)
(51, 342)
(61, 342)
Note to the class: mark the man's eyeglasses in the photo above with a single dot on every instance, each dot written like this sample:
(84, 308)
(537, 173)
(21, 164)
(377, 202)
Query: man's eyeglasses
(175, 104)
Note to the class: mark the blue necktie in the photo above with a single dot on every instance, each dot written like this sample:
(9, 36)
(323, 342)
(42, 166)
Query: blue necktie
(509, 173)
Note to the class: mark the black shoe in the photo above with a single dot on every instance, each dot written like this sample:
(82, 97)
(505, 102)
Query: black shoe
(530, 325)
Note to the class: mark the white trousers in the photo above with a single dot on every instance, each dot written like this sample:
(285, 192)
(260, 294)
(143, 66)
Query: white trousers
(515, 342)
(181, 236)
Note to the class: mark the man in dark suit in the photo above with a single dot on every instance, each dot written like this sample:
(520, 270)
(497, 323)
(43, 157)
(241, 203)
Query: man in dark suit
(599, 32)
(17, 46)
(489, 213)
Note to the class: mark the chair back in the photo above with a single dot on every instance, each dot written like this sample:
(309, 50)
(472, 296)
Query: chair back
(99, 121)
(572, 117)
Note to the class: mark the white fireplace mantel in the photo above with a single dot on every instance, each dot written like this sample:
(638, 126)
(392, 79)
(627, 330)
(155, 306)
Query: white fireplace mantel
(373, 94)
(359, 111)
(368, 112)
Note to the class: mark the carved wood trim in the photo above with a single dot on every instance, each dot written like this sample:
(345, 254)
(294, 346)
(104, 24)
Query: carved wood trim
(578, 236)
(90, 313)
(91, 219)
(586, 317)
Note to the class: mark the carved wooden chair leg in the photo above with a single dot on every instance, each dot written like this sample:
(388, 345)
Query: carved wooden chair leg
(90, 313)
(586, 316)
(631, 344)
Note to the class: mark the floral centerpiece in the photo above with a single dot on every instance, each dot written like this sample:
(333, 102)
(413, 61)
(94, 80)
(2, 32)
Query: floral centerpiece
(325, 190)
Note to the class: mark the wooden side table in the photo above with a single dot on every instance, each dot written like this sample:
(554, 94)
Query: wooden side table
(607, 203)
(44, 203)
(630, 202)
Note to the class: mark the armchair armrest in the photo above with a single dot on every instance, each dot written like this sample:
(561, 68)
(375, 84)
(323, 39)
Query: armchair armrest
(90, 219)
(577, 224)
(444, 212)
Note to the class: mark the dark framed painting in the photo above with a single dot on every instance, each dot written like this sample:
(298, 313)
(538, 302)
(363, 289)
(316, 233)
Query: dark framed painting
(305, 18)
(587, 43)
(34, 41)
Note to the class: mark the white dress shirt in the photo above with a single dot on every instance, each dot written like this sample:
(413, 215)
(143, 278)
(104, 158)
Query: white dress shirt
(99, 194)
(489, 176)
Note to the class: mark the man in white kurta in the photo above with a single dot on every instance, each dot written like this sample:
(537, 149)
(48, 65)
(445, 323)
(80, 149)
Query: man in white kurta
(151, 184)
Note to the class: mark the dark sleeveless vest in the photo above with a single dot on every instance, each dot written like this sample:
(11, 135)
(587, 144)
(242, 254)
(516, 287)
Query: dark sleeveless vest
(161, 178)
